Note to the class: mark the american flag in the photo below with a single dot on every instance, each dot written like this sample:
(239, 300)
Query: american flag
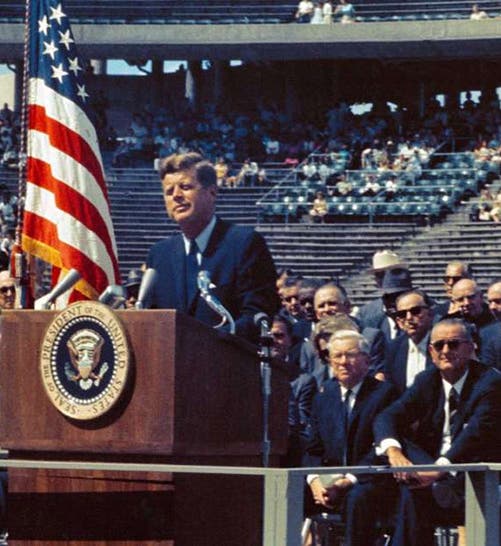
(67, 220)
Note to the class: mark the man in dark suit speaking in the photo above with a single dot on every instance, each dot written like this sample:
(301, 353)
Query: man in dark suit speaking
(450, 414)
(236, 258)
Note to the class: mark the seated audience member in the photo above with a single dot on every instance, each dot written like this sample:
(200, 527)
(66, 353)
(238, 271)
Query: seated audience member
(454, 272)
(222, 169)
(331, 299)
(289, 296)
(320, 207)
(327, 13)
(408, 355)
(340, 434)
(494, 299)
(371, 187)
(470, 305)
(317, 16)
(307, 288)
(490, 336)
(385, 264)
(132, 287)
(247, 176)
(304, 11)
(390, 189)
(343, 187)
(449, 415)
(344, 12)
(477, 14)
(7, 291)
(303, 389)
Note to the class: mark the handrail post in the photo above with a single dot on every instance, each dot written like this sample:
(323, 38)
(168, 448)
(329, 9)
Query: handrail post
(482, 508)
(282, 507)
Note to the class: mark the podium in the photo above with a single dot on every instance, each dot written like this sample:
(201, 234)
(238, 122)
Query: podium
(195, 397)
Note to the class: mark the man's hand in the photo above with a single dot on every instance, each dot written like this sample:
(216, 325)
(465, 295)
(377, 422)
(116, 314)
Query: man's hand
(338, 489)
(397, 458)
(320, 494)
(425, 479)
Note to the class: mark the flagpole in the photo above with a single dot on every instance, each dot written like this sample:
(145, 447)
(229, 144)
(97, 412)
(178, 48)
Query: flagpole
(18, 259)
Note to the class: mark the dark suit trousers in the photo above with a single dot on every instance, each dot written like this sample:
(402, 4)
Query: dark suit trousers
(418, 514)
(366, 507)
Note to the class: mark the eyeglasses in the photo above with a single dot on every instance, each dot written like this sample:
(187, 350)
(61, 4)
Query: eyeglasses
(453, 344)
(289, 299)
(453, 278)
(414, 311)
(7, 289)
(351, 355)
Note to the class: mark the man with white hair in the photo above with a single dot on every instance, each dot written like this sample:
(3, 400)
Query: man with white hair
(340, 434)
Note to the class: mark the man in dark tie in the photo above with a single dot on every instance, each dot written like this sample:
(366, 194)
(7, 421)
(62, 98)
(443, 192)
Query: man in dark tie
(340, 434)
(236, 258)
(450, 414)
(407, 355)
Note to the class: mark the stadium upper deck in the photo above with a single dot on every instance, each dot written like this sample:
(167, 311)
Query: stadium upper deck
(414, 40)
(245, 11)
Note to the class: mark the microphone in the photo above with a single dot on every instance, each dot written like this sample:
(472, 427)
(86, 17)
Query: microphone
(114, 296)
(262, 320)
(147, 283)
(71, 278)
(204, 285)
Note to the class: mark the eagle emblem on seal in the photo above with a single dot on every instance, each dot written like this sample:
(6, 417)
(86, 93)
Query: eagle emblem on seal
(84, 347)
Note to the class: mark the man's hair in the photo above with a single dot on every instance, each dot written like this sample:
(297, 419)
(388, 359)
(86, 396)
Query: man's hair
(467, 328)
(341, 289)
(329, 325)
(427, 300)
(465, 266)
(363, 344)
(310, 282)
(204, 170)
(291, 281)
(287, 325)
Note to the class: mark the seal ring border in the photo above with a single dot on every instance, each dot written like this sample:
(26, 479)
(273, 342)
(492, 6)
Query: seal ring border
(65, 403)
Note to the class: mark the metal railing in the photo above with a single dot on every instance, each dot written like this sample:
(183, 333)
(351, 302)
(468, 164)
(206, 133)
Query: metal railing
(283, 492)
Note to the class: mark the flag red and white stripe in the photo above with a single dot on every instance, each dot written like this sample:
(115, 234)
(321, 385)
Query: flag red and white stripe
(67, 220)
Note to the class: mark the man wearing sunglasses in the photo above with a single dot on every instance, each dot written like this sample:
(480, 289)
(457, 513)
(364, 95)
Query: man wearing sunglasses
(450, 414)
(454, 272)
(408, 355)
(7, 291)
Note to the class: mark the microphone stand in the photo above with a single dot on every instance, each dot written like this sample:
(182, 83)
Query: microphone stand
(265, 344)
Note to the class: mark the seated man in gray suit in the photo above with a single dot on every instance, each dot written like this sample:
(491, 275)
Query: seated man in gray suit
(340, 434)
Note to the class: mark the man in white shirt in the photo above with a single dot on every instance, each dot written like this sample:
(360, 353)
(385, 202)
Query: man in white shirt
(407, 355)
(340, 434)
(450, 414)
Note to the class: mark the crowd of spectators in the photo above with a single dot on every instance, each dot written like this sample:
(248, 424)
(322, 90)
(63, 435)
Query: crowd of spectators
(323, 13)
(9, 137)
(396, 339)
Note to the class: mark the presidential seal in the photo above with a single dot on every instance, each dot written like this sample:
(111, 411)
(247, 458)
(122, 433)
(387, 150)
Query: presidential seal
(85, 360)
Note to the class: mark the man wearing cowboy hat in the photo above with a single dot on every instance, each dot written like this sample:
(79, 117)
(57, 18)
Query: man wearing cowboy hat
(386, 264)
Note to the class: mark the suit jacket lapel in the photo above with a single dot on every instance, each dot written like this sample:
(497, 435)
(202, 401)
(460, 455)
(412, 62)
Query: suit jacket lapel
(180, 277)
(463, 399)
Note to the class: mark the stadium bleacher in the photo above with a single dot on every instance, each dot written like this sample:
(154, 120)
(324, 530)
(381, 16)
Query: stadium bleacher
(244, 12)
